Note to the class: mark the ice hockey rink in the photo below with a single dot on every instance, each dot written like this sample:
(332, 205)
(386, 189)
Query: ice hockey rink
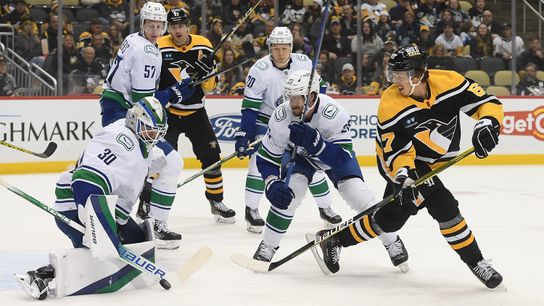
(504, 205)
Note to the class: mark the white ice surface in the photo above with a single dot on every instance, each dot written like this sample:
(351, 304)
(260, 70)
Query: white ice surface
(504, 206)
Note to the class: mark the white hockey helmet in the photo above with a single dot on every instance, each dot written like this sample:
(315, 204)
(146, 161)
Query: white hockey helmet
(153, 11)
(280, 35)
(297, 84)
(148, 120)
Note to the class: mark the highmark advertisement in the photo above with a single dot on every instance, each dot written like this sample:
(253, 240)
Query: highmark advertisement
(33, 123)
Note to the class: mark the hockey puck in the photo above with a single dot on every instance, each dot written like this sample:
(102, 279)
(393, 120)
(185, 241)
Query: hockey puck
(165, 284)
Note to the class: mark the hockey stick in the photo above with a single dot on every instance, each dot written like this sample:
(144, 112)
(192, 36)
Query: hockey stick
(261, 266)
(132, 258)
(291, 163)
(51, 147)
(234, 29)
(217, 163)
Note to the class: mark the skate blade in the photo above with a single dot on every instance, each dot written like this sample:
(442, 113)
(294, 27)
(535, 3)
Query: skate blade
(30, 290)
(167, 244)
(219, 219)
(257, 229)
(194, 263)
(317, 256)
(404, 267)
(250, 263)
(501, 287)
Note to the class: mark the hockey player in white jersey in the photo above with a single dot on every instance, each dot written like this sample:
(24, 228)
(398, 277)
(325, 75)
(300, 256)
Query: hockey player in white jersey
(263, 93)
(135, 74)
(115, 162)
(324, 144)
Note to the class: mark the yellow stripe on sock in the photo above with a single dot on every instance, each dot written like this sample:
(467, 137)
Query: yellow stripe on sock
(453, 229)
(213, 179)
(366, 221)
(215, 191)
(464, 243)
(353, 232)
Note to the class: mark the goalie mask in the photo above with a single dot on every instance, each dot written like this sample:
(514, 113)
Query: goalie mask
(297, 85)
(153, 11)
(147, 119)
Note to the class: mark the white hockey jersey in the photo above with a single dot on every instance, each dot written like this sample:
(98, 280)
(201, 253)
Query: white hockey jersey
(135, 71)
(112, 161)
(330, 119)
(264, 84)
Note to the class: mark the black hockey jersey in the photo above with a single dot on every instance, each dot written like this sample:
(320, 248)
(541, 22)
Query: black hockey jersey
(429, 130)
(175, 59)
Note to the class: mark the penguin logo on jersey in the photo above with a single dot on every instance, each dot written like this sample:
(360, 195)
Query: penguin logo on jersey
(436, 134)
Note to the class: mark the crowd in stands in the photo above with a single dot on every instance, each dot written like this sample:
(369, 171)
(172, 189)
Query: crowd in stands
(455, 38)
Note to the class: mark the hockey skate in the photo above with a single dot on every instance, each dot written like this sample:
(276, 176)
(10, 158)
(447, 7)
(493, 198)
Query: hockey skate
(164, 238)
(36, 283)
(329, 258)
(486, 274)
(398, 254)
(254, 221)
(264, 252)
(222, 213)
(329, 217)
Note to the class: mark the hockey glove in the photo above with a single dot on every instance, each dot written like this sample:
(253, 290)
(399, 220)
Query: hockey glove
(181, 91)
(202, 68)
(278, 193)
(307, 137)
(242, 144)
(485, 136)
(405, 191)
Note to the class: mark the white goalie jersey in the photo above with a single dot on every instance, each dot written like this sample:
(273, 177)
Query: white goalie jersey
(330, 119)
(135, 71)
(112, 161)
(264, 84)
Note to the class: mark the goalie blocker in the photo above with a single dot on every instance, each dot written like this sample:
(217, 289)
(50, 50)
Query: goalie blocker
(96, 269)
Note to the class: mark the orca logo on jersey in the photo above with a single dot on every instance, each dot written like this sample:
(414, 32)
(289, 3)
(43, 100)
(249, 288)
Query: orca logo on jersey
(436, 134)
(225, 125)
(151, 49)
(125, 141)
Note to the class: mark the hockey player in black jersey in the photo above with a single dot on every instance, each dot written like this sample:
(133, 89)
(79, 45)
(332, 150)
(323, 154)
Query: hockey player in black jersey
(418, 129)
(180, 50)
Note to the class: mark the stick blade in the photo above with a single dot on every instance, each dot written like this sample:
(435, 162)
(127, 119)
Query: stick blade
(51, 148)
(250, 263)
(194, 263)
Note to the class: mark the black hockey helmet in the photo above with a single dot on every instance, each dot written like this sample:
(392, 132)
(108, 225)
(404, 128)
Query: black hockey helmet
(177, 16)
(408, 58)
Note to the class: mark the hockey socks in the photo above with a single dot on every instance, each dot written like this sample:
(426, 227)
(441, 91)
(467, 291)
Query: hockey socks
(461, 240)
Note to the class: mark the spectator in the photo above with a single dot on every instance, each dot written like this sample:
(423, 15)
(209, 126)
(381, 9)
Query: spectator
(476, 13)
(388, 46)
(49, 36)
(452, 42)
(348, 21)
(233, 11)
(367, 70)
(216, 32)
(530, 85)
(7, 81)
(384, 26)
(372, 10)
(242, 34)
(397, 12)
(328, 74)
(69, 58)
(19, 13)
(379, 80)
(371, 43)
(170, 4)
(408, 31)
(334, 42)
(446, 17)
(114, 12)
(425, 41)
(467, 33)
(493, 27)
(482, 45)
(439, 59)
(102, 50)
(428, 13)
(503, 44)
(86, 37)
(533, 54)
(459, 15)
(116, 37)
(301, 44)
(87, 72)
(27, 43)
(348, 81)
(234, 76)
(293, 13)
(314, 20)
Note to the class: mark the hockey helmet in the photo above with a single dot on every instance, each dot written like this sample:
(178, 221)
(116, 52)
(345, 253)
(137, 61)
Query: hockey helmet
(153, 11)
(297, 84)
(177, 16)
(280, 35)
(408, 58)
(148, 120)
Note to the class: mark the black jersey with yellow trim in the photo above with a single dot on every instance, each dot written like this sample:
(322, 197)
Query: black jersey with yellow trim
(428, 130)
(173, 61)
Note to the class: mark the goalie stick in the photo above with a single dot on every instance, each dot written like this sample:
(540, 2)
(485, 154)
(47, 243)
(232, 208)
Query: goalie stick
(193, 264)
(262, 266)
(51, 147)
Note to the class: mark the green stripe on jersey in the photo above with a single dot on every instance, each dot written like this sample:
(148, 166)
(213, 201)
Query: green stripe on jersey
(255, 183)
(103, 203)
(161, 200)
(120, 215)
(64, 193)
(320, 188)
(251, 104)
(117, 97)
(274, 159)
(136, 96)
(92, 178)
